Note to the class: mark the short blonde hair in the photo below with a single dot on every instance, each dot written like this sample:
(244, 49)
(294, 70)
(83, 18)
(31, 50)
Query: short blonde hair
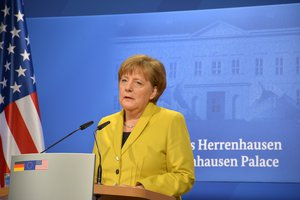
(153, 70)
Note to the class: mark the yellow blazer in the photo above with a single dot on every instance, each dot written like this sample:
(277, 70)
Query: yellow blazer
(157, 154)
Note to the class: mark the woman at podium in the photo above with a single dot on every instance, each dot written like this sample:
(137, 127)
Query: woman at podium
(145, 145)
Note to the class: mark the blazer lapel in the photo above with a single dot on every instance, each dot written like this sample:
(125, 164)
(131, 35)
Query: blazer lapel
(118, 133)
(140, 126)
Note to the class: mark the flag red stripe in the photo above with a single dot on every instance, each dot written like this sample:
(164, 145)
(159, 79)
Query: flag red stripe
(34, 98)
(19, 165)
(18, 129)
(3, 166)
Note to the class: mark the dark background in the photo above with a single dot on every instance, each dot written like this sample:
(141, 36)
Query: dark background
(55, 8)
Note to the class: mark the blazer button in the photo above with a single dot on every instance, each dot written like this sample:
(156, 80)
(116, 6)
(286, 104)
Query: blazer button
(117, 171)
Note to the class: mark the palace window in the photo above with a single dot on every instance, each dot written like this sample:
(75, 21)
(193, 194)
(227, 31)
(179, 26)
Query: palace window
(259, 66)
(235, 67)
(279, 66)
(216, 68)
(198, 68)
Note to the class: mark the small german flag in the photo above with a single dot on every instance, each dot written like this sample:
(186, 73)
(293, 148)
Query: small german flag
(19, 166)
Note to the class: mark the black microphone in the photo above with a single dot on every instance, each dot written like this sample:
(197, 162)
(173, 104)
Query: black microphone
(101, 126)
(99, 173)
(82, 127)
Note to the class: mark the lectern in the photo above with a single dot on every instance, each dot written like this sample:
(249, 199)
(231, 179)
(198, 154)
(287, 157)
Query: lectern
(49, 176)
(64, 177)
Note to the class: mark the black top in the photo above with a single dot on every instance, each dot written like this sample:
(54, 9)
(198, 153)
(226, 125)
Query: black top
(124, 138)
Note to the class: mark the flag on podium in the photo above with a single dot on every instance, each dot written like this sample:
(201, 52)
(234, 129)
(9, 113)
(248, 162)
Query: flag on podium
(20, 124)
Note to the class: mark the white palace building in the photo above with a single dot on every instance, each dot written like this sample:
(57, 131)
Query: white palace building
(223, 72)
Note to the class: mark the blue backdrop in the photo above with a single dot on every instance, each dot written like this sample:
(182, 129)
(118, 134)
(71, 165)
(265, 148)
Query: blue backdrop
(233, 73)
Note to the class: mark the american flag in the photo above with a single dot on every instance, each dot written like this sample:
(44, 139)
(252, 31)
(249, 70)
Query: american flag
(20, 125)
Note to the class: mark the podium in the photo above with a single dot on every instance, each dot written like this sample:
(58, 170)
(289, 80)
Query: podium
(115, 193)
(50, 176)
(128, 193)
(64, 176)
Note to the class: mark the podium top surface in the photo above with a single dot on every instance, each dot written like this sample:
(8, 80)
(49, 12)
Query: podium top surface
(129, 193)
(49, 176)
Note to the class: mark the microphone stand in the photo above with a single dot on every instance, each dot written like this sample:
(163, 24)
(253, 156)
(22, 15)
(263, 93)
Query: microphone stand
(99, 171)
(100, 127)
